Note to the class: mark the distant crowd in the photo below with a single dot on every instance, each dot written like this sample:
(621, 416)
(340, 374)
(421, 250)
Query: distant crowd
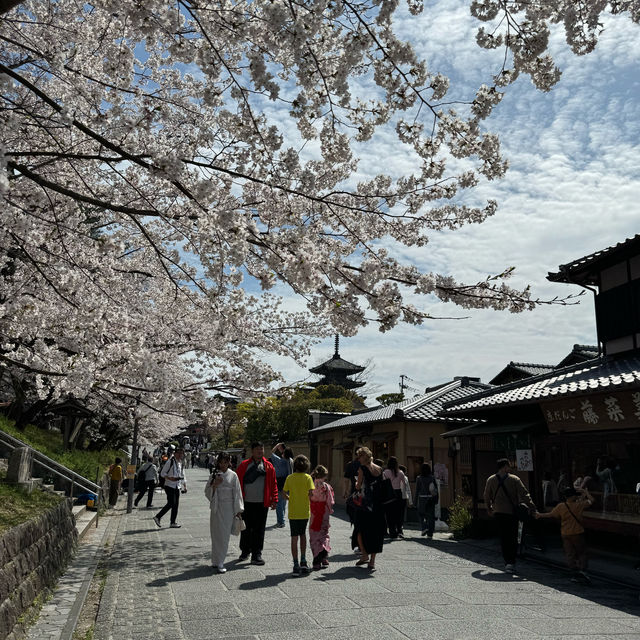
(377, 496)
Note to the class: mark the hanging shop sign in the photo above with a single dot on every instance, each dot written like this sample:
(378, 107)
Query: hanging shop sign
(594, 412)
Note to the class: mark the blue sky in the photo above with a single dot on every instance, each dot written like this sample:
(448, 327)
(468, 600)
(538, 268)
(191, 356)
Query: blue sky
(573, 188)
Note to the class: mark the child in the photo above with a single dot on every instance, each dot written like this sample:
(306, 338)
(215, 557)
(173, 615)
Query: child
(569, 513)
(298, 488)
(322, 502)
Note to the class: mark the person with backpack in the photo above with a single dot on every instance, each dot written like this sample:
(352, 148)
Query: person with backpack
(147, 480)
(504, 497)
(394, 508)
(574, 543)
(174, 484)
(426, 500)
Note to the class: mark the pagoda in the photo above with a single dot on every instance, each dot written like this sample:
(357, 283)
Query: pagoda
(337, 371)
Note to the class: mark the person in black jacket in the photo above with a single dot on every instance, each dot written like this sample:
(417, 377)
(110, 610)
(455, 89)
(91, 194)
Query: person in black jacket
(426, 500)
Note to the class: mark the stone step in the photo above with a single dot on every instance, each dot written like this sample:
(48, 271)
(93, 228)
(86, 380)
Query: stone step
(78, 510)
(85, 521)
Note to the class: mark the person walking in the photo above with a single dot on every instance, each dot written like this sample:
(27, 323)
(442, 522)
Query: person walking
(393, 509)
(503, 495)
(574, 542)
(115, 481)
(148, 475)
(260, 492)
(283, 469)
(370, 523)
(224, 493)
(426, 500)
(174, 484)
(321, 503)
(298, 488)
(407, 498)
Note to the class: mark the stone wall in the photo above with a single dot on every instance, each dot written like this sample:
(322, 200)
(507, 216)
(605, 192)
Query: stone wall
(32, 556)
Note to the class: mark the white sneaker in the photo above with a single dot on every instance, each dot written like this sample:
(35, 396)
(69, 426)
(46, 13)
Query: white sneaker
(510, 568)
(221, 569)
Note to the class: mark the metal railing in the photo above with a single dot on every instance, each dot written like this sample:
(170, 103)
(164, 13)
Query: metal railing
(52, 466)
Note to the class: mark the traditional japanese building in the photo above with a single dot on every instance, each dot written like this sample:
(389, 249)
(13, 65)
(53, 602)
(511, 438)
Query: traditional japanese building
(410, 430)
(581, 420)
(338, 371)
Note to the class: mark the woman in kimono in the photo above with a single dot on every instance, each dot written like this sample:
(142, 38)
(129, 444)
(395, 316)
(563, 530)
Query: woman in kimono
(321, 504)
(225, 497)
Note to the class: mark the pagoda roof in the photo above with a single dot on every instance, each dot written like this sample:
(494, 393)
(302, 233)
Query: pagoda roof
(586, 270)
(335, 364)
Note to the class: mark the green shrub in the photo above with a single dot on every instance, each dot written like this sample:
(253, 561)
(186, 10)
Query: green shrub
(460, 518)
(17, 506)
(84, 463)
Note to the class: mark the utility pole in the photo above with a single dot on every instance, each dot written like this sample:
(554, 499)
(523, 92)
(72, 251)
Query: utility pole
(403, 386)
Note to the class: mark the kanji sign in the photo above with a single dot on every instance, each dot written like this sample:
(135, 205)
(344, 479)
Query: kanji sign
(587, 413)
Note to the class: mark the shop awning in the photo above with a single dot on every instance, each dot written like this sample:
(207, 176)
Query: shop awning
(488, 428)
(343, 445)
(383, 437)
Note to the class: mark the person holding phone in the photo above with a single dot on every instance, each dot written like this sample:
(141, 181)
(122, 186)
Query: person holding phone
(174, 484)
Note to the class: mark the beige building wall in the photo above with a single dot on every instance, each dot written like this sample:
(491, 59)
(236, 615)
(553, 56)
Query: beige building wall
(410, 446)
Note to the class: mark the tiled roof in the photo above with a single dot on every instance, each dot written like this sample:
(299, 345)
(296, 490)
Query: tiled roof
(336, 363)
(579, 353)
(579, 379)
(424, 407)
(532, 369)
(587, 266)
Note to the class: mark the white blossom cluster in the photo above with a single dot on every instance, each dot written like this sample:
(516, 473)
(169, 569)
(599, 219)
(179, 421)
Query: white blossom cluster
(145, 181)
(523, 28)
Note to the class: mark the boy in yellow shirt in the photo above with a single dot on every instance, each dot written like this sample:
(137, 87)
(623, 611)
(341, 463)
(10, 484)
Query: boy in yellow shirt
(298, 488)
(569, 513)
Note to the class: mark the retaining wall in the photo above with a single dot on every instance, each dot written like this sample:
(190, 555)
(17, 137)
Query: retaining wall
(32, 556)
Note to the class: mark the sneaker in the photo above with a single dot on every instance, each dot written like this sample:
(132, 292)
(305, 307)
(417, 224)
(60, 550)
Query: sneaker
(280, 525)
(174, 525)
(325, 563)
(424, 532)
(585, 578)
(510, 568)
(244, 556)
(257, 560)
(304, 567)
(221, 569)
(316, 566)
(157, 521)
(296, 570)
(430, 537)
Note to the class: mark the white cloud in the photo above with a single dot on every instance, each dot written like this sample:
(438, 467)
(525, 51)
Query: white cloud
(573, 188)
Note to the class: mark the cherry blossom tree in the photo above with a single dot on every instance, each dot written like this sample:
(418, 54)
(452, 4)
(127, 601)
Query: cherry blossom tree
(164, 164)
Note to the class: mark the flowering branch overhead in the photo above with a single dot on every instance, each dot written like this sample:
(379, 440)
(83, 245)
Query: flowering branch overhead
(148, 188)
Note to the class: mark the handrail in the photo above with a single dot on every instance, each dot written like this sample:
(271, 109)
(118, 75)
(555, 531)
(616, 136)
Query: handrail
(85, 484)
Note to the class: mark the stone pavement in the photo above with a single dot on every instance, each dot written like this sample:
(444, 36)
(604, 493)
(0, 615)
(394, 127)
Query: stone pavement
(57, 618)
(160, 586)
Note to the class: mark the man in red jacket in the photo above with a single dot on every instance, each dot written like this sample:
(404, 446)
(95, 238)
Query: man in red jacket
(260, 491)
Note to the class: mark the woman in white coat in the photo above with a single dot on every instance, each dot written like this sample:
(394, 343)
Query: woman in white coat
(225, 496)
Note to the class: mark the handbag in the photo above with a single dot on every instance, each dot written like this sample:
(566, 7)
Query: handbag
(238, 525)
(520, 511)
(357, 501)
